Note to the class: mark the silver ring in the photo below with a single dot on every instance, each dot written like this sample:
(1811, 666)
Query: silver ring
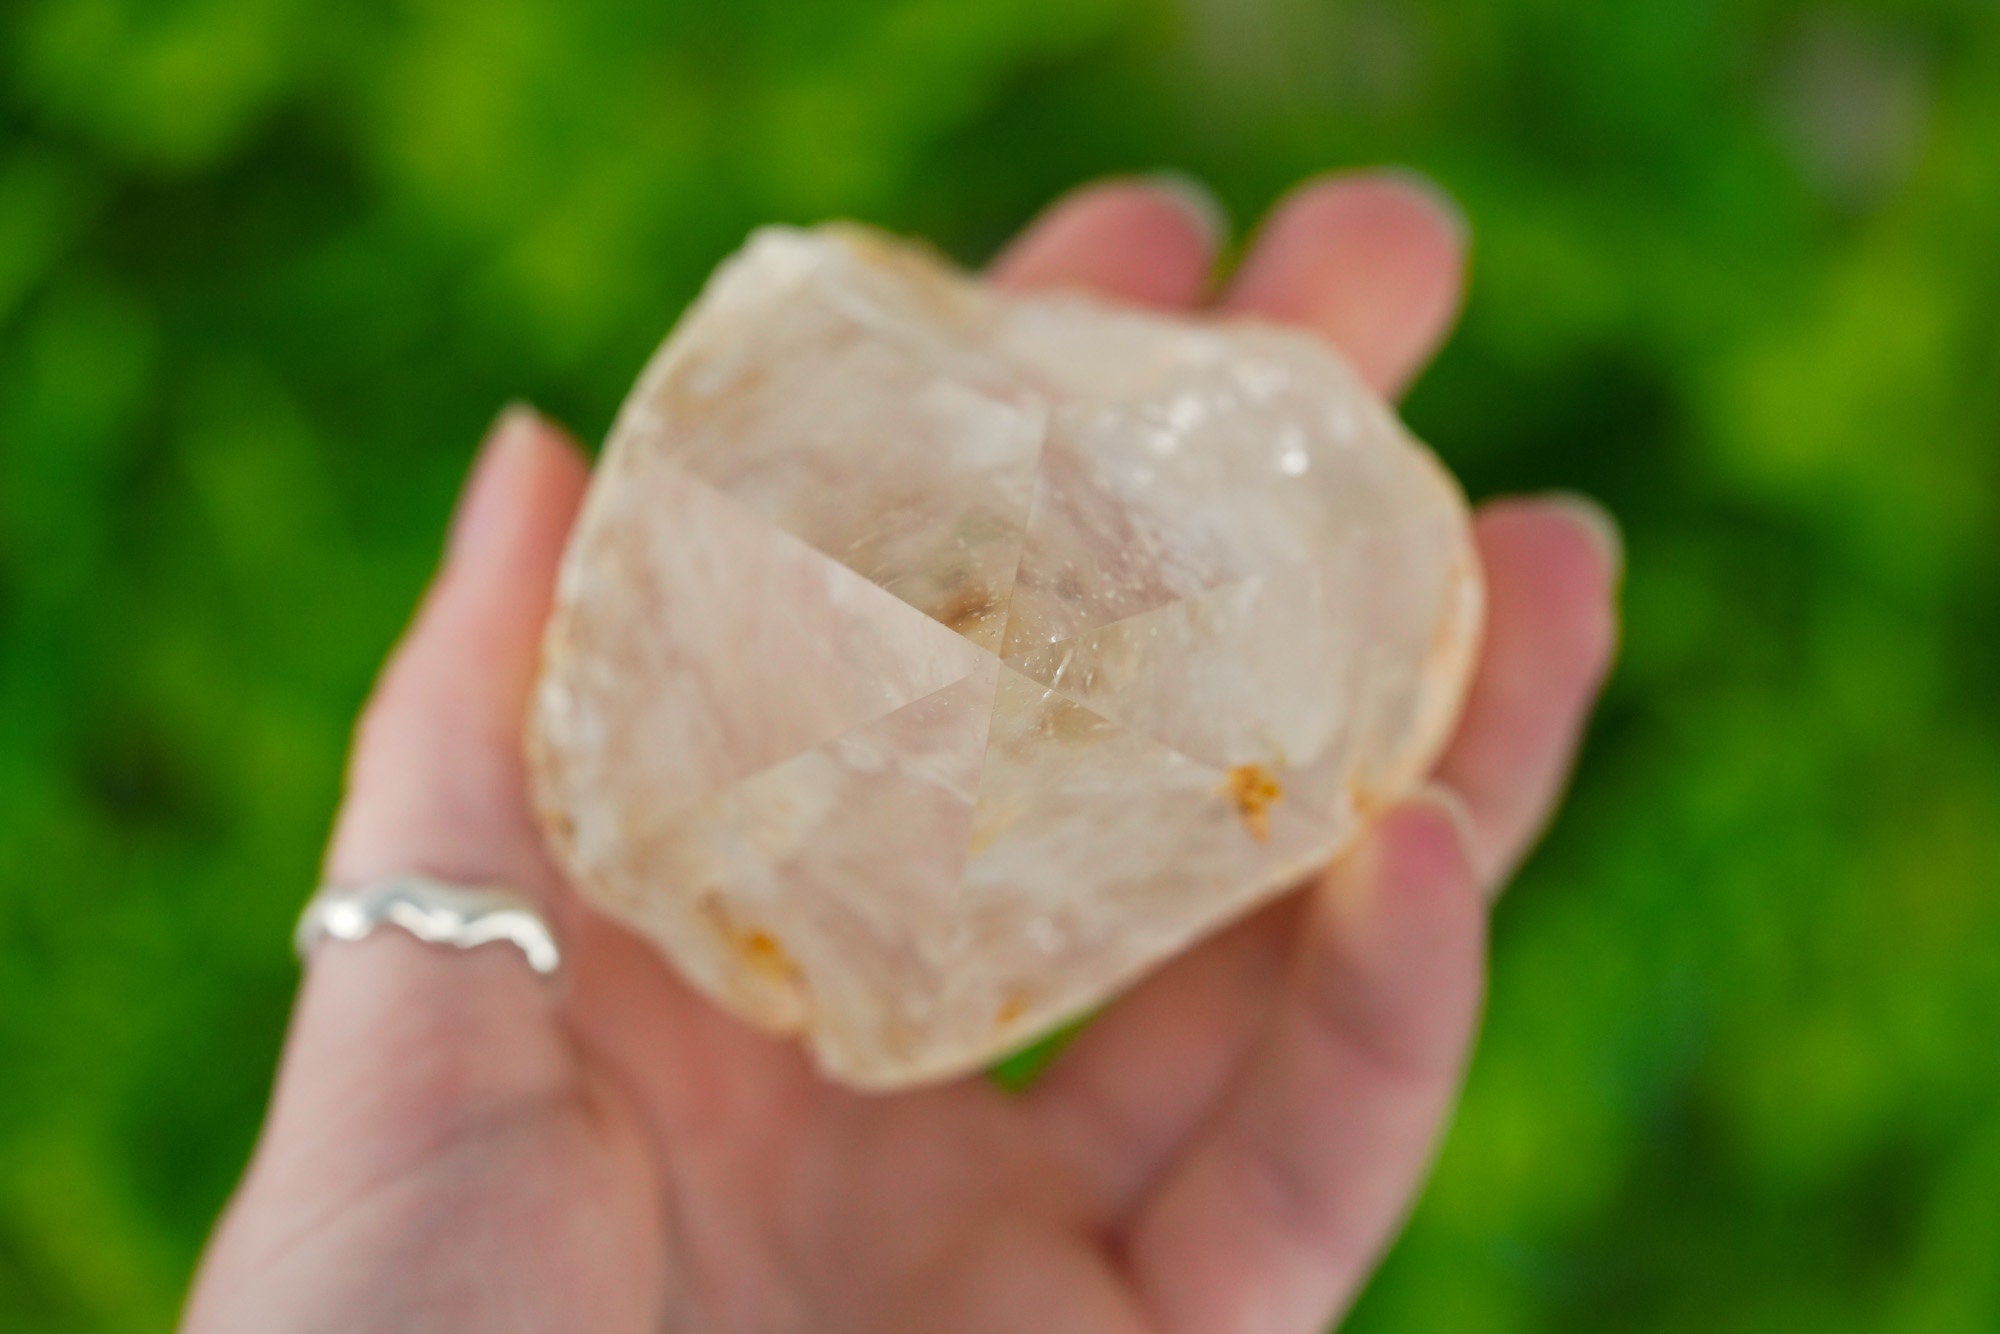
(463, 916)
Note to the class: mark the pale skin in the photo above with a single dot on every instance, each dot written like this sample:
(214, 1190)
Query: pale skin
(453, 1145)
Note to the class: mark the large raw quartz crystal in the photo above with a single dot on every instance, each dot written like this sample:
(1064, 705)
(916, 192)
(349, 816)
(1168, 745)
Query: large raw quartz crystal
(929, 662)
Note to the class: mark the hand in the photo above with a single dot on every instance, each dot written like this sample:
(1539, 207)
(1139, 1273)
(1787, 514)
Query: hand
(1230, 1147)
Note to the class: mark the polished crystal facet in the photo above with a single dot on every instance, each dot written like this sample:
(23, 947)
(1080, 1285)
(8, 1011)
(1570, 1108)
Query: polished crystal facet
(928, 662)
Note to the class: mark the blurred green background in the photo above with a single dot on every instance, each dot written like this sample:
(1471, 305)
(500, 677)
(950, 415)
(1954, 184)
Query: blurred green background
(267, 267)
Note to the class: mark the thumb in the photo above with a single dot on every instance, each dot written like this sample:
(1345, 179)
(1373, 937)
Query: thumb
(397, 1048)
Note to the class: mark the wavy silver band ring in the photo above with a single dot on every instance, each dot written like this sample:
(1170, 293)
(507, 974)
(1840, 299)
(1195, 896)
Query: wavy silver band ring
(462, 916)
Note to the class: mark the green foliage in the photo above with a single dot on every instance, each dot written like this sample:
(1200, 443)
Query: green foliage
(267, 266)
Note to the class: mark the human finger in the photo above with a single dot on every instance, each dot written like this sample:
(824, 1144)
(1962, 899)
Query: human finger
(1128, 1092)
(1552, 567)
(436, 787)
(1150, 242)
(1278, 1208)
(1372, 261)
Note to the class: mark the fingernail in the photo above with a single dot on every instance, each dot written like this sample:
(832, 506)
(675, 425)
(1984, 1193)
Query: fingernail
(1596, 521)
(1194, 198)
(1445, 807)
(483, 500)
(1440, 200)
(1428, 831)
(1447, 804)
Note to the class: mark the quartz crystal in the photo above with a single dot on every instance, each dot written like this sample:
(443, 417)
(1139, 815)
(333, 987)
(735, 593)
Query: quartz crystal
(929, 661)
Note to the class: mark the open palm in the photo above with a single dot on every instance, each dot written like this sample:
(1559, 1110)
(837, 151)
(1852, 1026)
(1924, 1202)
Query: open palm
(453, 1145)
